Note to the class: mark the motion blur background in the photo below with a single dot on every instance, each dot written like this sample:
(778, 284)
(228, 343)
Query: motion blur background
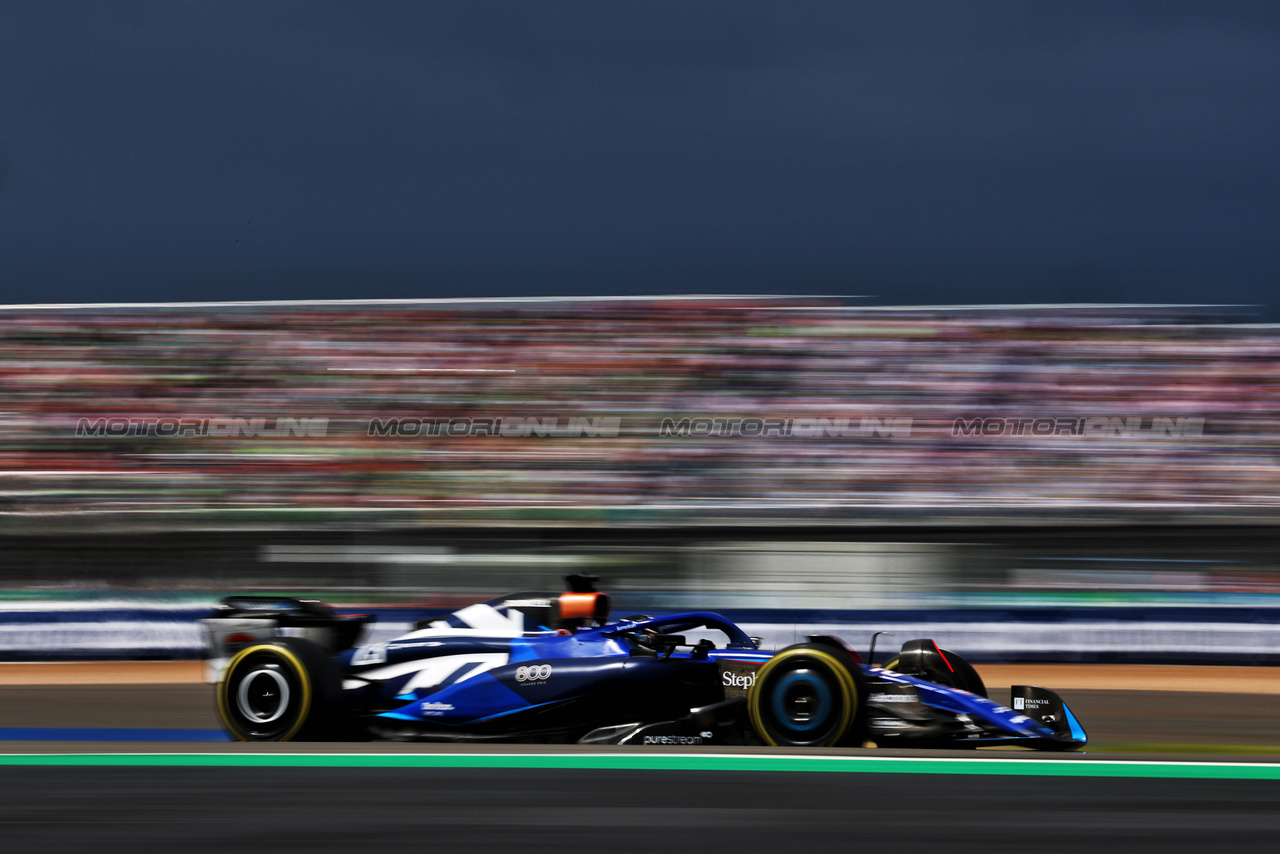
(1087, 483)
(1083, 468)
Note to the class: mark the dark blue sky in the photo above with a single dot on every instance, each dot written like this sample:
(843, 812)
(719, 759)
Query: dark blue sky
(921, 152)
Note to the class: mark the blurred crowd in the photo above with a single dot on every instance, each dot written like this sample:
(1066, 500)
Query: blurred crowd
(643, 363)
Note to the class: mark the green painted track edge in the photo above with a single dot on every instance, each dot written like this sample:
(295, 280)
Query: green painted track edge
(666, 762)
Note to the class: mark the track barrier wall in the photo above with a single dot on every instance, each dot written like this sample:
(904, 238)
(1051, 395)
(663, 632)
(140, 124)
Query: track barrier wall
(1153, 595)
(137, 631)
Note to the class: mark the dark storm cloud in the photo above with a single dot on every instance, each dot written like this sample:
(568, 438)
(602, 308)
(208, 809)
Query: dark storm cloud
(926, 152)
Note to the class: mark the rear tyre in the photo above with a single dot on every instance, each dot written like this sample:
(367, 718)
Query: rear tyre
(287, 689)
(806, 696)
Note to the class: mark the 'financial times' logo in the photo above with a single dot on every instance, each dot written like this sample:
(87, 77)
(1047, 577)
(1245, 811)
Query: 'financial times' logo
(535, 673)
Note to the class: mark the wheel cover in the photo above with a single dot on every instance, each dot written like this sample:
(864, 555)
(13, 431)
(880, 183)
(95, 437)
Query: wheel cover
(265, 694)
(803, 697)
(802, 701)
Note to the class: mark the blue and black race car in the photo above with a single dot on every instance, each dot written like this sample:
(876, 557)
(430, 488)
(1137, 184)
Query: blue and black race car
(535, 667)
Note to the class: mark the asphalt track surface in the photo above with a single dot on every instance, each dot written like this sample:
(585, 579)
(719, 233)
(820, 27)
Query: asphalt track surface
(321, 798)
(108, 809)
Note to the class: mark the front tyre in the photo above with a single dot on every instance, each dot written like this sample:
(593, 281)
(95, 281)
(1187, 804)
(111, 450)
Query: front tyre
(284, 690)
(806, 696)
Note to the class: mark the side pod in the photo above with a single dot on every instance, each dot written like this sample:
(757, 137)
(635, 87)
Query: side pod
(1045, 706)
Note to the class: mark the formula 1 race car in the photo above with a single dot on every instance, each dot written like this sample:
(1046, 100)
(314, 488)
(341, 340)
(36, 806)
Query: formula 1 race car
(534, 667)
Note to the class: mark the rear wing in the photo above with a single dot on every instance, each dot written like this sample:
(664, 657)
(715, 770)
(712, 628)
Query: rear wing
(243, 620)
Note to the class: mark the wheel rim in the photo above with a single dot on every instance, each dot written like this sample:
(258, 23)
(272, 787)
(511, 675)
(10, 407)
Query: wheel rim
(263, 696)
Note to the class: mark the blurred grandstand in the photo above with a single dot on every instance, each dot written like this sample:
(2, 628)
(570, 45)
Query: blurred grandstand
(1030, 483)
(93, 403)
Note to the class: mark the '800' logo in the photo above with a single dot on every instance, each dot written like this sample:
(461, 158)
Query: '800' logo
(533, 673)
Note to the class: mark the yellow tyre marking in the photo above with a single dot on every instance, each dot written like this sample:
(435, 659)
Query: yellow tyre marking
(304, 680)
(842, 676)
